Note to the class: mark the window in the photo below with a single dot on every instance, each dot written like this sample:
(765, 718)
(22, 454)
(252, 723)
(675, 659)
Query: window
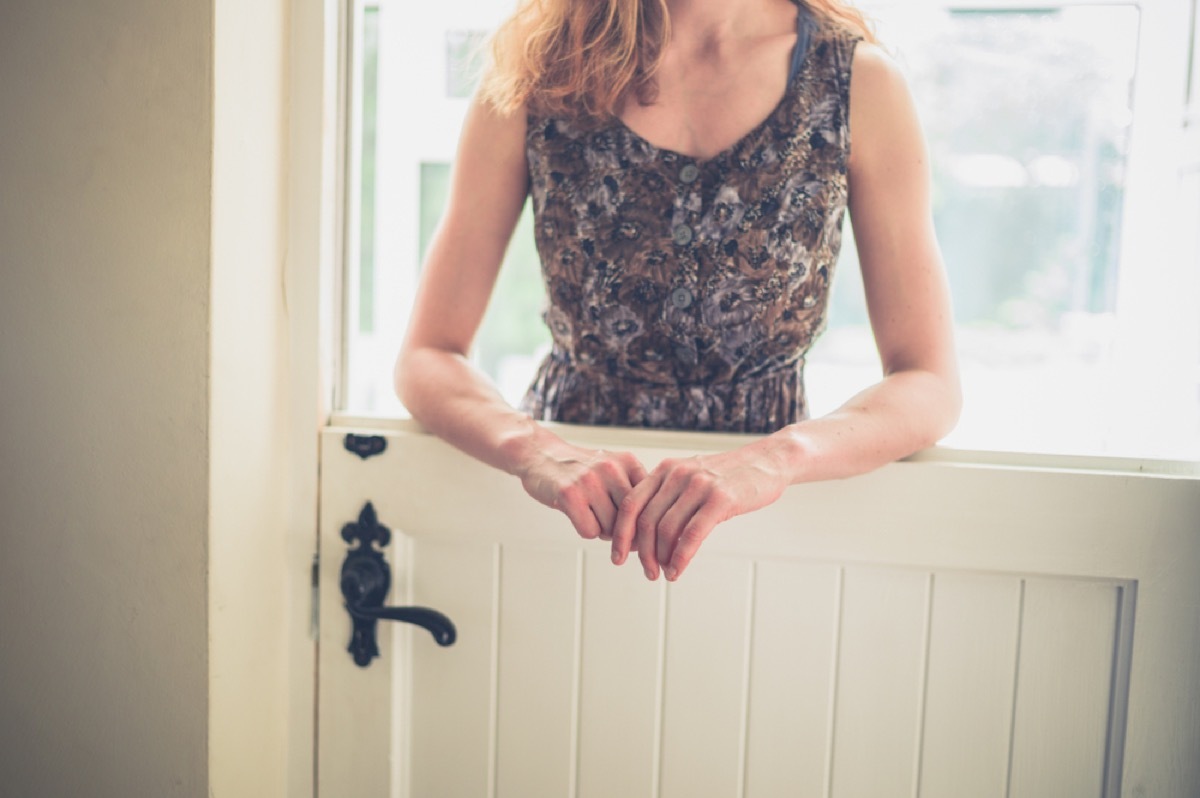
(1062, 185)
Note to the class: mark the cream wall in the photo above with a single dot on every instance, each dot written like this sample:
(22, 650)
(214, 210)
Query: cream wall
(146, 604)
(249, 405)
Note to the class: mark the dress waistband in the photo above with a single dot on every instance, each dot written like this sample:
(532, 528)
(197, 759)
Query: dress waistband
(564, 391)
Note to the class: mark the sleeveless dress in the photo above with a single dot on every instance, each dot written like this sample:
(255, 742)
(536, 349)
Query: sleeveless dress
(684, 293)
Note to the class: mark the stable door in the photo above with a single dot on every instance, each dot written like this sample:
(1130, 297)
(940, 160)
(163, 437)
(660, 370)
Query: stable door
(935, 628)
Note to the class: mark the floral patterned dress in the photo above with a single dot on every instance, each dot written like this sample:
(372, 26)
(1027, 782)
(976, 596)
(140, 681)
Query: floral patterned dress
(683, 293)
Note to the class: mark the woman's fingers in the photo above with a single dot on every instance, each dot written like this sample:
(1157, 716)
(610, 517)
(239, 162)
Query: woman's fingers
(669, 514)
(664, 516)
(591, 486)
(653, 534)
(694, 533)
(673, 523)
(634, 468)
(630, 508)
(618, 474)
(574, 502)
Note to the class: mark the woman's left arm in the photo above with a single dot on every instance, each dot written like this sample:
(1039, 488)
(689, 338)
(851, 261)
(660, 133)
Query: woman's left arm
(671, 512)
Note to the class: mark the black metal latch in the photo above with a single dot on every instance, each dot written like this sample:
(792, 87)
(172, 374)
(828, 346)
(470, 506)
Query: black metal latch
(365, 580)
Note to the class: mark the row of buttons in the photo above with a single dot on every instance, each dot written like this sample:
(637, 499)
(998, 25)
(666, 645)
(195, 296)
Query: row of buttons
(682, 235)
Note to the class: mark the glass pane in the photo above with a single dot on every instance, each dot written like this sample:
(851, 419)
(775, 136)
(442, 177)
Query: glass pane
(366, 219)
(1028, 116)
(464, 51)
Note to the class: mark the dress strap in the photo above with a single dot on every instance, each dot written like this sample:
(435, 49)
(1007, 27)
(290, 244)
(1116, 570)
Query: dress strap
(804, 30)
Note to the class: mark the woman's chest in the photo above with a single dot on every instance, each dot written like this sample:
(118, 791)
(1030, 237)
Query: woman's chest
(703, 111)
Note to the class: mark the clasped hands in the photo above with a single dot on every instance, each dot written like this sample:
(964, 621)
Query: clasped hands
(664, 515)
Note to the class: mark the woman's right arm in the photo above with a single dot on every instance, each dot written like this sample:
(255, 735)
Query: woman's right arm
(434, 377)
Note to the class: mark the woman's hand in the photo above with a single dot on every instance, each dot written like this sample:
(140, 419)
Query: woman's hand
(670, 513)
(587, 485)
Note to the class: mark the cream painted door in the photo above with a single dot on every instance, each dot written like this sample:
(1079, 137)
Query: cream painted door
(932, 629)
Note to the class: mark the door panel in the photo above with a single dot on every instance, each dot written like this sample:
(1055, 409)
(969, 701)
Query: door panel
(791, 667)
(454, 706)
(1063, 686)
(929, 630)
(880, 679)
(620, 692)
(707, 635)
(538, 671)
(972, 662)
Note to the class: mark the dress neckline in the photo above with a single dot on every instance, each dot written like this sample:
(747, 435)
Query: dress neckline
(805, 28)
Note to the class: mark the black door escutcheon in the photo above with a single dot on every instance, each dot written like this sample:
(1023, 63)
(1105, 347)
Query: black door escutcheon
(365, 580)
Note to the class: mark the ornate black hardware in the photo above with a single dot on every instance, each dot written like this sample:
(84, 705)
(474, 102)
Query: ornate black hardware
(365, 580)
(364, 445)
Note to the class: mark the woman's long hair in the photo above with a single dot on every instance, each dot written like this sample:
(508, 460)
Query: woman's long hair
(583, 58)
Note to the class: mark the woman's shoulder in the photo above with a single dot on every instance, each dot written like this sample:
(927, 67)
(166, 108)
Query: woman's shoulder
(883, 113)
(836, 42)
(877, 77)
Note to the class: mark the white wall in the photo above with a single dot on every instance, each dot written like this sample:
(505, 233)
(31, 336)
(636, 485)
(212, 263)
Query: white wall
(145, 605)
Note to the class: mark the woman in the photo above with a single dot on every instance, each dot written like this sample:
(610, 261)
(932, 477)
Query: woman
(689, 163)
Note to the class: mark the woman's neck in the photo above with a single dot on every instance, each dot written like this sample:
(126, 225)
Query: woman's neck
(712, 24)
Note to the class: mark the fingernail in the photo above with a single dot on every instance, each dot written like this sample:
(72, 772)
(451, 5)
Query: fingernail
(649, 575)
(616, 558)
(670, 573)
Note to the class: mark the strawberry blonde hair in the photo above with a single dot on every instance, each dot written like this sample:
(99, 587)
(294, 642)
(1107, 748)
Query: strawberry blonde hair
(582, 58)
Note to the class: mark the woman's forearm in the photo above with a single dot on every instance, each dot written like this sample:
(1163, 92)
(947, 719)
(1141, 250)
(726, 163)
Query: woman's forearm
(454, 401)
(906, 412)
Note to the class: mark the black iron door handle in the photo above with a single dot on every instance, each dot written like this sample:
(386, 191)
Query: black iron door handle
(441, 627)
(365, 581)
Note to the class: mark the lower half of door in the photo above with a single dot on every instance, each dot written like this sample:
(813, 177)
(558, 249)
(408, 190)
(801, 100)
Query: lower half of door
(932, 629)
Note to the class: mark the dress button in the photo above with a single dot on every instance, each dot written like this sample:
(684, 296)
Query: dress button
(682, 234)
(689, 173)
(681, 298)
